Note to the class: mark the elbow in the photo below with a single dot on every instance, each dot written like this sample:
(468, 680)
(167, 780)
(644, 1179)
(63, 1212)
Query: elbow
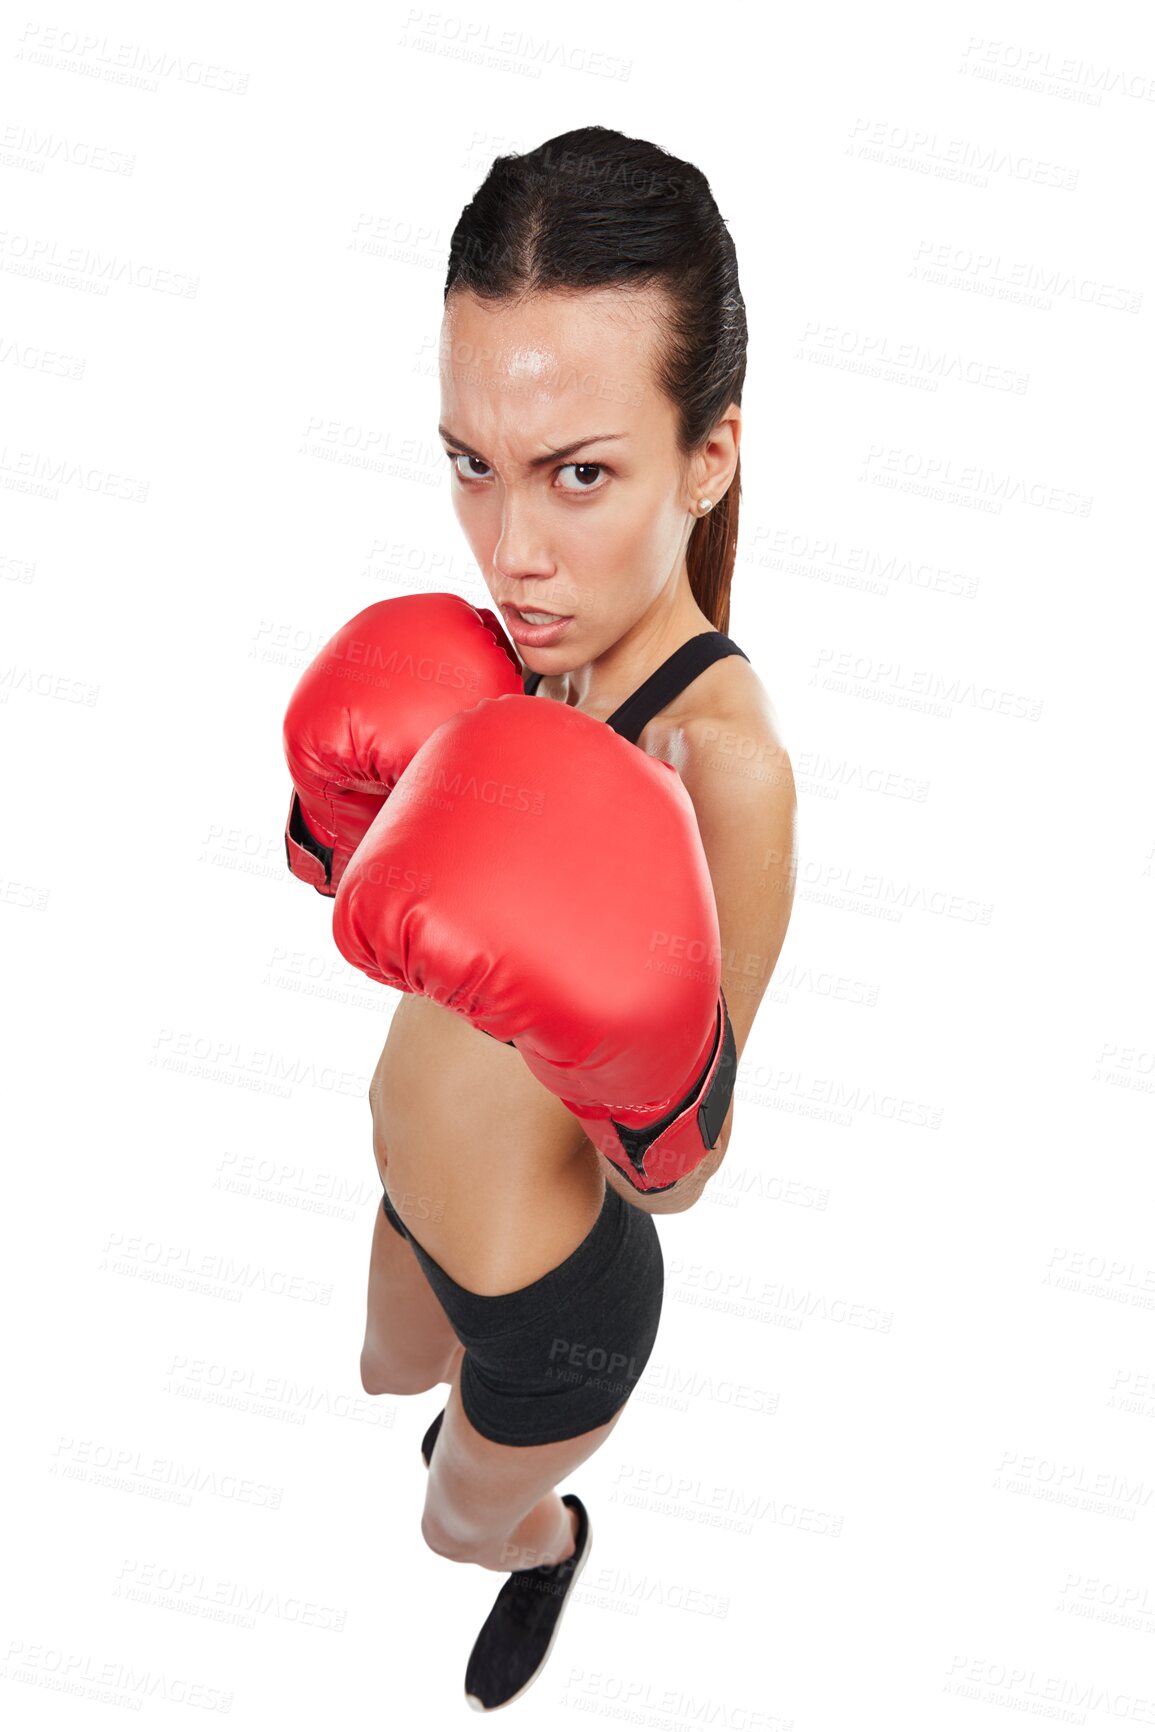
(689, 1189)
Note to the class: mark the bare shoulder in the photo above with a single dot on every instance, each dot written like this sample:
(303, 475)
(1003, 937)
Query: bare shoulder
(723, 737)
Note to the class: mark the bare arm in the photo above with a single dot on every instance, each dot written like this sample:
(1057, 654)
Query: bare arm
(742, 789)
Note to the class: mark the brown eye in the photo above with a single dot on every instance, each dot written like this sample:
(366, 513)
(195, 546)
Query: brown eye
(456, 457)
(585, 471)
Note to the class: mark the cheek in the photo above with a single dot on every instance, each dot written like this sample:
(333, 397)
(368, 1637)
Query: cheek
(647, 545)
(628, 549)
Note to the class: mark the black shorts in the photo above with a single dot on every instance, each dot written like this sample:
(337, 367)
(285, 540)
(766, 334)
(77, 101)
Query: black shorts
(561, 1356)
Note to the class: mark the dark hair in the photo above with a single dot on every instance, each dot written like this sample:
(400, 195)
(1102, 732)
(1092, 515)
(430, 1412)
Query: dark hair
(594, 209)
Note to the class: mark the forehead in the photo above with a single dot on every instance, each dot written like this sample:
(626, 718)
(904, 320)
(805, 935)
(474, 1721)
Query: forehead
(547, 362)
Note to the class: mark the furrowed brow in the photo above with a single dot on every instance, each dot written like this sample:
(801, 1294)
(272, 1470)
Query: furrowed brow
(534, 462)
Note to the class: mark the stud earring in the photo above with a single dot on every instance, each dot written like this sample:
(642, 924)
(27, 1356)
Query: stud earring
(705, 504)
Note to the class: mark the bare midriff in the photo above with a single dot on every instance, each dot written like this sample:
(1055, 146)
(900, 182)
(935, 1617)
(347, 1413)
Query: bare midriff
(491, 1174)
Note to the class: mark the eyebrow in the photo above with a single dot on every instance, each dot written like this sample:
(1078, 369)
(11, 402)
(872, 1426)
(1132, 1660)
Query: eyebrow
(534, 462)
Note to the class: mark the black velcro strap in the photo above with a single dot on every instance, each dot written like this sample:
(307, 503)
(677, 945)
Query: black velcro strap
(635, 1140)
(713, 1110)
(304, 838)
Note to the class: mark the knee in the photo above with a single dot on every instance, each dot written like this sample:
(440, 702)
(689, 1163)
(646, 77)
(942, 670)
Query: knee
(379, 1377)
(449, 1539)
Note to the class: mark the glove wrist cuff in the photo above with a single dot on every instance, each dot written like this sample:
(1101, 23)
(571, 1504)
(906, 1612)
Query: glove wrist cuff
(308, 858)
(654, 1157)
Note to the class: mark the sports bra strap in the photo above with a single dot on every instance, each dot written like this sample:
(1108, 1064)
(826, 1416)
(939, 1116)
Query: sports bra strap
(665, 683)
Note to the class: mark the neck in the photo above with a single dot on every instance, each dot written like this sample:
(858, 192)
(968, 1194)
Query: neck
(599, 687)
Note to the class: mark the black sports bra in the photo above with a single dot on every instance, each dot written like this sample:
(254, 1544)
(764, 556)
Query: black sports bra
(664, 684)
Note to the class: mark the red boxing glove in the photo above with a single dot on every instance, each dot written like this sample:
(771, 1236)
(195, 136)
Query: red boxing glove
(546, 879)
(362, 707)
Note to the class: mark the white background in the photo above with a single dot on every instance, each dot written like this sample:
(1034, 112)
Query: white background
(892, 1462)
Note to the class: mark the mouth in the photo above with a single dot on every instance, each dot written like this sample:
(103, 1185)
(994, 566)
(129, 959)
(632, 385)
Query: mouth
(533, 616)
(534, 628)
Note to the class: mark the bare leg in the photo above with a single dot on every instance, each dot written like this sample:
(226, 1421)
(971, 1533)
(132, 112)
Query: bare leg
(410, 1344)
(493, 1504)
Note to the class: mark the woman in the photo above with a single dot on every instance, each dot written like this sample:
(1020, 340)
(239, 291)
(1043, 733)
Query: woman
(593, 356)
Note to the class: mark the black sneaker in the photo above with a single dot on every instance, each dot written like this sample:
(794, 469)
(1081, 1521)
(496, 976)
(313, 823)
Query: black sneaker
(519, 1632)
(430, 1437)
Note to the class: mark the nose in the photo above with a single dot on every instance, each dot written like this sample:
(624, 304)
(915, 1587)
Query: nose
(520, 553)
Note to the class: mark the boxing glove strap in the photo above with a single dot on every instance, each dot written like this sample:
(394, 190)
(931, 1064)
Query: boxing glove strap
(496, 1036)
(307, 858)
(697, 1118)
